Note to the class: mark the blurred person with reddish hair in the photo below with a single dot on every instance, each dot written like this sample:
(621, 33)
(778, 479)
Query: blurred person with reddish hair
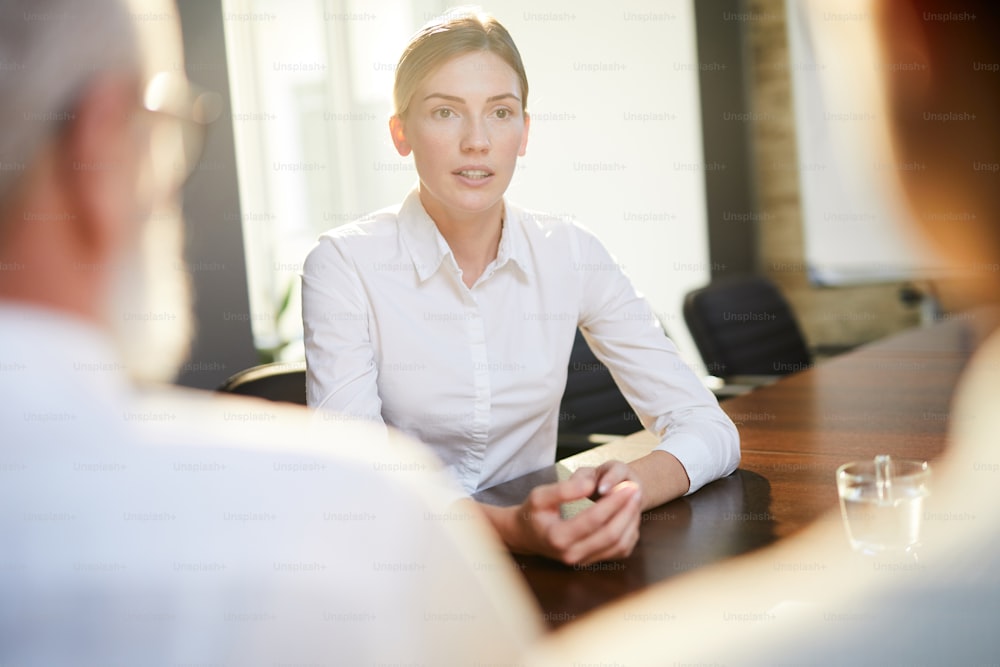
(808, 600)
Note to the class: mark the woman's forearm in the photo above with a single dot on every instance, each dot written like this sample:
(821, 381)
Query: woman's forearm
(661, 478)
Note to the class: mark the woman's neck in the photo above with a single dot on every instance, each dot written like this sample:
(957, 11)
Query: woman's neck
(474, 239)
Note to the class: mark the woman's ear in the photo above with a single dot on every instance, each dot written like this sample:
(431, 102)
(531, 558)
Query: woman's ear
(398, 132)
(524, 138)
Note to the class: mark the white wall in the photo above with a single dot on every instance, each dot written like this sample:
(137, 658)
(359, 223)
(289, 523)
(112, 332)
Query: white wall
(616, 136)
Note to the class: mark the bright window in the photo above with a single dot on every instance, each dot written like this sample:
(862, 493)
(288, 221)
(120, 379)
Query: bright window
(311, 87)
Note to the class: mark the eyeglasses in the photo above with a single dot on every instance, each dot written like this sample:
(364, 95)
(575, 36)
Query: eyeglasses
(181, 113)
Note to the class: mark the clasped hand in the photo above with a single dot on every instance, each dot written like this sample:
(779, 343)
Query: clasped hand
(606, 530)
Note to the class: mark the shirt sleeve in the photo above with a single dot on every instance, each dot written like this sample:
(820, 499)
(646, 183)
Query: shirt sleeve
(670, 401)
(341, 374)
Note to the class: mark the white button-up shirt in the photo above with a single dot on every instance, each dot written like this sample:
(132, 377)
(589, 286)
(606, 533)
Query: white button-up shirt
(392, 334)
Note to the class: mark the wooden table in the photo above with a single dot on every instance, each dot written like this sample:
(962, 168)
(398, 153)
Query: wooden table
(889, 397)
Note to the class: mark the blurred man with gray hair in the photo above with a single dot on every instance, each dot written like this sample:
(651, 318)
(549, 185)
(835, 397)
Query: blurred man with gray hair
(162, 526)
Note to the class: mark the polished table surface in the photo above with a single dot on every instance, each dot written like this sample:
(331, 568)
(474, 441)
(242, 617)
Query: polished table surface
(889, 397)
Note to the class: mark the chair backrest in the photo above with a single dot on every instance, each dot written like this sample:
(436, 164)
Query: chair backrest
(744, 326)
(283, 381)
(592, 402)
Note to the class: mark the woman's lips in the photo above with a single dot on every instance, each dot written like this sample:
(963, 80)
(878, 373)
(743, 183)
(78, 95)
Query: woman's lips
(473, 175)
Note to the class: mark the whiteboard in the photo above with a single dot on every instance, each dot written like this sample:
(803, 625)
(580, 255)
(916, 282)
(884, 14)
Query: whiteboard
(854, 222)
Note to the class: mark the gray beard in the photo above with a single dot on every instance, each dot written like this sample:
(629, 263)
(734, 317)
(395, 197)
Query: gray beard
(150, 315)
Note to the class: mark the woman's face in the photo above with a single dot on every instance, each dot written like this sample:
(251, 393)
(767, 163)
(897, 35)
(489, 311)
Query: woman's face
(466, 130)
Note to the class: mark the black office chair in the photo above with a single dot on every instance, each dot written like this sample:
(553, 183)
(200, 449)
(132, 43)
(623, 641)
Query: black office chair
(592, 407)
(743, 326)
(283, 381)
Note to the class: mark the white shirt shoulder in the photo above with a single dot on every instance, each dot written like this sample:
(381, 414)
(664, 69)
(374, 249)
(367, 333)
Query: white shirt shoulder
(172, 525)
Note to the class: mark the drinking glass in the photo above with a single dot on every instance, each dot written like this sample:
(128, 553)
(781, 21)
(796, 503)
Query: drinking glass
(882, 503)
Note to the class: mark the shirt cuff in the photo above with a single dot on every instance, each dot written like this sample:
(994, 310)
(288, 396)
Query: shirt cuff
(690, 451)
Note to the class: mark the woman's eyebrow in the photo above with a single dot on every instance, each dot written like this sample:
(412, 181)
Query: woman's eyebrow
(459, 100)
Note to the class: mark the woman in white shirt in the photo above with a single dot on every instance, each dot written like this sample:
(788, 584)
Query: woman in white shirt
(452, 315)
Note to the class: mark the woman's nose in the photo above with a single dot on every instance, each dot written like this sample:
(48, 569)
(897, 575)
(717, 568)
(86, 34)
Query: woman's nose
(475, 137)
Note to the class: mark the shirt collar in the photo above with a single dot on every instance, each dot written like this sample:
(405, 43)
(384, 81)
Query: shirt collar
(421, 236)
(428, 248)
(514, 242)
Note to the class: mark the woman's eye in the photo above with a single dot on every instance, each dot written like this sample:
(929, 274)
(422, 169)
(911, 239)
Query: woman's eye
(502, 113)
(444, 113)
